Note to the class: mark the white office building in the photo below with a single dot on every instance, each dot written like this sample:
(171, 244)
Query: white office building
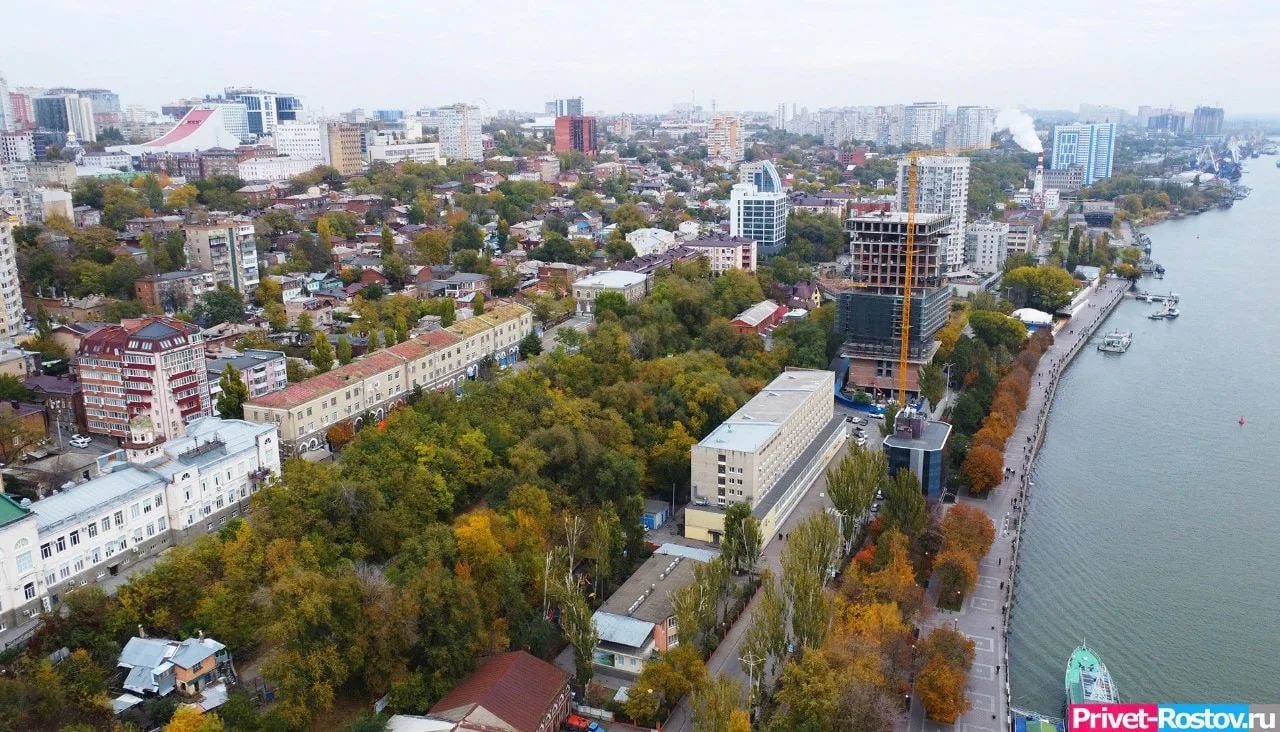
(1089, 146)
(150, 496)
(303, 141)
(923, 122)
(986, 245)
(942, 186)
(758, 208)
(391, 151)
(459, 128)
(17, 147)
(7, 122)
(266, 109)
(651, 241)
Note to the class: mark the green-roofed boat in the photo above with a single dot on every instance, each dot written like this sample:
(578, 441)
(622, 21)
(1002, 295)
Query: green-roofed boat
(1088, 681)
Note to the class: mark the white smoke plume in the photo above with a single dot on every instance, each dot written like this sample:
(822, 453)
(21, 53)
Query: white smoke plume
(1022, 127)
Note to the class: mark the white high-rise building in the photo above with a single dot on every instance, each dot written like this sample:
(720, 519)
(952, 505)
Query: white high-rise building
(7, 122)
(974, 126)
(758, 208)
(11, 312)
(235, 118)
(942, 186)
(922, 123)
(780, 117)
(460, 132)
(986, 245)
(724, 139)
(266, 109)
(303, 140)
(17, 147)
(1091, 147)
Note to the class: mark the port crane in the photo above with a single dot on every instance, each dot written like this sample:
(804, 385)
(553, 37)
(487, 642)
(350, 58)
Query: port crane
(913, 175)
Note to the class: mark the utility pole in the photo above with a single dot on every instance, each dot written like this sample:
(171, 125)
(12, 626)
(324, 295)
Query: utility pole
(546, 572)
(751, 659)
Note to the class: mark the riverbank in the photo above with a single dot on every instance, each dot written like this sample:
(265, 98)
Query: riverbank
(987, 610)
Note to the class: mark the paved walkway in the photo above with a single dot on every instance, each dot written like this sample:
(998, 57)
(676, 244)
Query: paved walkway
(985, 614)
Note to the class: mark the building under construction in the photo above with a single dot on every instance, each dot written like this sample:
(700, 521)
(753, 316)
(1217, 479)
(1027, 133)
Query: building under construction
(869, 310)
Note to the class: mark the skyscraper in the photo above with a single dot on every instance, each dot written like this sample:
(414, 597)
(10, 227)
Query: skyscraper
(758, 207)
(974, 126)
(724, 139)
(942, 187)
(460, 132)
(1089, 146)
(570, 107)
(67, 113)
(922, 123)
(577, 133)
(1205, 121)
(7, 122)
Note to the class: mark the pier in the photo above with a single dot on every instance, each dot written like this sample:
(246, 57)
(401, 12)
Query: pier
(984, 618)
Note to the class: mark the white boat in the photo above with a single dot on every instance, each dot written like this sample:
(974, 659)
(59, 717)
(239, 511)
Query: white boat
(1117, 341)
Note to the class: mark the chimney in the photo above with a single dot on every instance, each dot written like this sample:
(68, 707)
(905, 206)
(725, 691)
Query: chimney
(142, 632)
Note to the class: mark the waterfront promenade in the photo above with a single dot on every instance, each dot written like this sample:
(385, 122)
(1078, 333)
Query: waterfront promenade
(985, 614)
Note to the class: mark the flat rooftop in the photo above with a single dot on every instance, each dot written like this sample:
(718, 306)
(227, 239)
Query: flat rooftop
(651, 585)
(611, 278)
(752, 426)
(934, 437)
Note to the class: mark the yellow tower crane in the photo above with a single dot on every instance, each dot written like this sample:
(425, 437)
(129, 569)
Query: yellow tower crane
(910, 253)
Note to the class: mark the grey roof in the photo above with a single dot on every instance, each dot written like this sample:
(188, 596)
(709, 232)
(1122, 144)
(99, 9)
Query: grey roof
(688, 552)
(646, 595)
(156, 329)
(611, 278)
(143, 679)
(932, 438)
(652, 506)
(193, 651)
(149, 652)
(53, 384)
(757, 421)
(621, 629)
(95, 494)
(250, 358)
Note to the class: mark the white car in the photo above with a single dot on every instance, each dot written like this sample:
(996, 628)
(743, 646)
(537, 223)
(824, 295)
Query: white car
(860, 442)
(79, 441)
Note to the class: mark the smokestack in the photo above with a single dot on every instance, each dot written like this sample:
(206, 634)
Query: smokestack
(1039, 184)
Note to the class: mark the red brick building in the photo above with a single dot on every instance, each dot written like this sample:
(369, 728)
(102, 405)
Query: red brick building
(574, 132)
(519, 691)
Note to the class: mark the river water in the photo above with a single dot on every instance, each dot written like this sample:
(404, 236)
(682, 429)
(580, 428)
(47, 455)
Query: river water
(1153, 525)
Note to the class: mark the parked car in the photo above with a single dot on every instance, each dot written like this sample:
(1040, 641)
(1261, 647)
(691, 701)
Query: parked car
(581, 724)
(879, 495)
(860, 441)
(79, 441)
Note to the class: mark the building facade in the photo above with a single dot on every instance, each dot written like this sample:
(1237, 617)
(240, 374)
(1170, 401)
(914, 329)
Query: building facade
(974, 126)
(1089, 146)
(923, 123)
(986, 245)
(869, 312)
(726, 253)
(152, 495)
(12, 314)
(263, 372)
(919, 445)
(459, 129)
(228, 249)
(394, 152)
(942, 187)
(631, 285)
(1207, 121)
(370, 387)
(344, 148)
(175, 291)
(17, 147)
(265, 109)
(576, 133)
(303, 140)
(725, 141)
(151, 367)
(758, 208)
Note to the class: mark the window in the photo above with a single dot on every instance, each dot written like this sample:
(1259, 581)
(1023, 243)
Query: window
(46, 551)
(159, 500)
(151, 529)
(65, 571)
(93, 530)
(146, 508)
(29, 590)
(75, 538)
(111, 548)
(24, 562)
(51, 578)
(134, 510)
(160, 523)
(97, 555)
(119, 519)
(106, 524)
(80, 564)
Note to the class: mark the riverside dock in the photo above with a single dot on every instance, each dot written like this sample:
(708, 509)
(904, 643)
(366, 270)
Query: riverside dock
(986, 612)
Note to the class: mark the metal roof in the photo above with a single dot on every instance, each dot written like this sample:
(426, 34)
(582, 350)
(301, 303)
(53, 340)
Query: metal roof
(611, 278)
(621, 629)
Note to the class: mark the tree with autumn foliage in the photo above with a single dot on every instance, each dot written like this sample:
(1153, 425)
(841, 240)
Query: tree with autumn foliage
(940, 688)
(957, 573)
(983, 467)
(969, 529)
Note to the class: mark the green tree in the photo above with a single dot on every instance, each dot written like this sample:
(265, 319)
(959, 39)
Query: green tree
(12, 389)
(234, 394)
(387, 242)
(806, 562)
(344, 350)
(852, 486)
(767, 635)
(306, 327)
(807, 693)
(997, 329)
(714, 702)
(477, 304)
(890, 415)
(932, 383)
(277, 317)
(629, 217)
(296, 370)
(904, 504)
(610, 304)
(223, 305)
(530, 345)
(322, 354)
(579, 627)
(372, 342)
(1044, 287)
(742, 537)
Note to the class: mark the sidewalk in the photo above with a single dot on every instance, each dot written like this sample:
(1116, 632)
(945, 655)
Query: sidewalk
(985, 615)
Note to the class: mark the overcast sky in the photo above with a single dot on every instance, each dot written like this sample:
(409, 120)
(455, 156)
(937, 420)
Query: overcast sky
(643, 56)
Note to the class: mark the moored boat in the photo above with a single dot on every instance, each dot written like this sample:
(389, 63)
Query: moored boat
(1117, 341)
(1087, 679)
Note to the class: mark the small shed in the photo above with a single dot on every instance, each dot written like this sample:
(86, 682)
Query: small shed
(656, 513)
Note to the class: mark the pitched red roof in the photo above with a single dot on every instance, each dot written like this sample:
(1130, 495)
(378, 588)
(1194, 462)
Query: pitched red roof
(514, 687)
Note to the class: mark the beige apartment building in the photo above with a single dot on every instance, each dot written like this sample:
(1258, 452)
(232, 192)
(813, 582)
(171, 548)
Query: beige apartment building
(369, 388)
(631, 285)
(344, 149)
(760, 454)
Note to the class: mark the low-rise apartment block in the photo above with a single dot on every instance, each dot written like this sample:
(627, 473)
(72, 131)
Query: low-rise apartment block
(367, 389)
(263, 372)
(226, 248)
(631, 285)
(726, 252)
(151, 495)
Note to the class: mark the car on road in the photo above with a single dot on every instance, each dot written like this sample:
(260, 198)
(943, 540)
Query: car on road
(582, 724)
(860, 442)
(879, 495)
(875, 508)
(79, 441)
(859, 432)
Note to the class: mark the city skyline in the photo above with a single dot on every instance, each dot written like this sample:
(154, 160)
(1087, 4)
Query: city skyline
(685, 54)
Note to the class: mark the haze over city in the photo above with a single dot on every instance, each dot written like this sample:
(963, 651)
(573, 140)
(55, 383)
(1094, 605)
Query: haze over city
(643, 57)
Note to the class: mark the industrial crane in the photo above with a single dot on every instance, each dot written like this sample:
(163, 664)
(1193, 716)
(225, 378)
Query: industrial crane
(910, 252)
